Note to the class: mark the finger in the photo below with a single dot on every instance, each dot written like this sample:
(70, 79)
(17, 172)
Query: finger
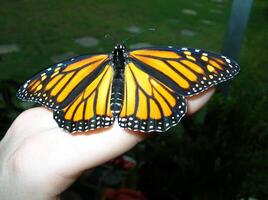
(67, 155)
(71, 151)
(77, 152)
(97, 147)
(38, 118)
(196, 102)
(103, 145)
(34, 121)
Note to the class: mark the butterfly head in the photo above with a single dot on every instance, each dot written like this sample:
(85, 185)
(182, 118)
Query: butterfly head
(120, 47)
(119, 54)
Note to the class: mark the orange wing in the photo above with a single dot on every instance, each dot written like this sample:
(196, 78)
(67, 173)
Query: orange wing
(187, 71)
(91, 108)
(77, 90)
(58, 85)
(148, 104)
(157, 79)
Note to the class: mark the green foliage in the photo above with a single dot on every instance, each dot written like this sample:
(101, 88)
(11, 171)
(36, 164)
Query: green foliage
(48, 28)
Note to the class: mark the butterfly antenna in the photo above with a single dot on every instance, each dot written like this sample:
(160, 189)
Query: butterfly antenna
(109, 36)
(144, 31)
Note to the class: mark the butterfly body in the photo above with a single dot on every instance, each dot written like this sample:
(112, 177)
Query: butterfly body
(143, 89)
(119, 58)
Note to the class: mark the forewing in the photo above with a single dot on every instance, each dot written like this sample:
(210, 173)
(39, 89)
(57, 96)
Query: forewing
(148, 104)
(185, 70)
(59, 85)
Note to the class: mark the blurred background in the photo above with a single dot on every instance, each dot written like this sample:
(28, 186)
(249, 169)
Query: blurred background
(219, 153)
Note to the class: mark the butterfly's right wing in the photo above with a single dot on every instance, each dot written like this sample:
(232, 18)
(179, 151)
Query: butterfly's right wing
(78, 90)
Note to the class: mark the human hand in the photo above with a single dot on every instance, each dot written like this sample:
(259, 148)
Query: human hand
(39, 160)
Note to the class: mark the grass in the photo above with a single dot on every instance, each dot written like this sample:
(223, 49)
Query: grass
(48, 28)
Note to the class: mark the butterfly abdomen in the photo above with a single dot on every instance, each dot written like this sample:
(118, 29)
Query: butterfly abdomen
(117, 93)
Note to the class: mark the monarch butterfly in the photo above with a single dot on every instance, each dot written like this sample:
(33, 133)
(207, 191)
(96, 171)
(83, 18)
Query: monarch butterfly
(144, 89)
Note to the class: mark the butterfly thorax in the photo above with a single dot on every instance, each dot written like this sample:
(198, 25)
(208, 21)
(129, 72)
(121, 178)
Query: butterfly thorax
(119, 54)
(118, 57)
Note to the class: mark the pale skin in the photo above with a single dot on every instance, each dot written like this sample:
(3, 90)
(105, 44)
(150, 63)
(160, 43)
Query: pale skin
(38, 160)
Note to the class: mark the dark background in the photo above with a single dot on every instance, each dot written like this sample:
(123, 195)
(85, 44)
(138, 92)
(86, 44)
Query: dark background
(219, 153)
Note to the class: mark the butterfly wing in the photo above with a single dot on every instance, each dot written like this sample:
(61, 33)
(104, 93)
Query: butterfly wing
(78, 91)
(148, 104)
(157, 79)
(187, 71)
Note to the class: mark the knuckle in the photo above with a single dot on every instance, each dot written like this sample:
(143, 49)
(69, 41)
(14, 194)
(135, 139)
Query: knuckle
(26, 118)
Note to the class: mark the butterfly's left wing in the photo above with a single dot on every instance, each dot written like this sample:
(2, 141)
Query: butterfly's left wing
(157, 79)
(187, 71)
(148, 104)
